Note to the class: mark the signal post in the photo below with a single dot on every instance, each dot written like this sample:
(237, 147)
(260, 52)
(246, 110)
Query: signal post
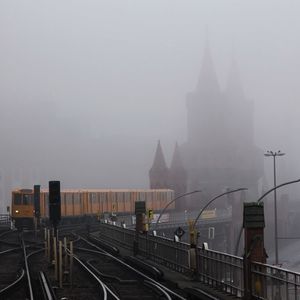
(54, 216)
(140, 210)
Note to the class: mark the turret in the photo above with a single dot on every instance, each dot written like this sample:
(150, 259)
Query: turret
(159, 172)
(178, 178)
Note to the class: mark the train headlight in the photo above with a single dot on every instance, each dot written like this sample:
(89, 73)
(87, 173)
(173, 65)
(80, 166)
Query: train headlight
(16, 211)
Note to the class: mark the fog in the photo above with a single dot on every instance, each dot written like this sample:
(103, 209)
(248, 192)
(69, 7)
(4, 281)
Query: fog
(87, 88)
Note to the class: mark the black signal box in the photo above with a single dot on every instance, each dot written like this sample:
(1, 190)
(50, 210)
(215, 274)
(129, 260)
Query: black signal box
(54, 202)
(36, 197)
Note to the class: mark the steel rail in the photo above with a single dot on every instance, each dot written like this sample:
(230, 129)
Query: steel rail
(167, 296)
(27, 270)
(108, 255)
(10, 250)
(135, 270)
(6, 232)
(13, 284)
(45, 286)
(84, 266)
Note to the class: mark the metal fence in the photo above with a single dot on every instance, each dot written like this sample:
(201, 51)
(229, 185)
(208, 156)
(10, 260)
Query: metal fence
(165, 251)
(4, 219)
(159, 249)
(121, 236)
(270, 282)
(219, 270)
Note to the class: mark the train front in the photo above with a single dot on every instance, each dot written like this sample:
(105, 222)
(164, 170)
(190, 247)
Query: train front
(22, 208)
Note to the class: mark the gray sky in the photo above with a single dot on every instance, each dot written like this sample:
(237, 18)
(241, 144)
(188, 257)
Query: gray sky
(124, 67)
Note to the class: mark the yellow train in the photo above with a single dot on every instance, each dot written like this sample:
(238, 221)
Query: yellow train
(86, 202)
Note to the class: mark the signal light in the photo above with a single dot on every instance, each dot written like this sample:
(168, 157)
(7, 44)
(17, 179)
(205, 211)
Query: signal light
(54, 202)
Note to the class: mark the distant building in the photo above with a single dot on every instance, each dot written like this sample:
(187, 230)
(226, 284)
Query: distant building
(174, 177)
(219, 152)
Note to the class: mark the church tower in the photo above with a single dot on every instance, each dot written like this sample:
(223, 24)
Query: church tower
(159, 172)
(178, 178)
(220, 150)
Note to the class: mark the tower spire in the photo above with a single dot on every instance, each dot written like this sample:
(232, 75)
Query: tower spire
(176, 163)
(159, 172)
(208, 81)
(178, 178)
(159, 159)
(234, 88)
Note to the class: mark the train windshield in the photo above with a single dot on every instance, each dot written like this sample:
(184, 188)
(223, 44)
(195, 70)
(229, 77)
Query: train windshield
(25, 199)
(18, 199)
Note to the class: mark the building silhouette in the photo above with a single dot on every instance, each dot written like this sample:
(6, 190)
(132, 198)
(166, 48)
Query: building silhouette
(219, 152)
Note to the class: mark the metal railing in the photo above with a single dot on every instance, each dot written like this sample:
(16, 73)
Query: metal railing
(120, 236)
(159, 249)
(164, 251)
(4, 219)
(270, 282)
(219, 270)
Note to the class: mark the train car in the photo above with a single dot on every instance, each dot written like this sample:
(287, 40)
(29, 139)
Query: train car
(22, 208)
(87, 202)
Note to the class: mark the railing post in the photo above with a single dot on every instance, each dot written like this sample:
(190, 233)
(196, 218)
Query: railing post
(140, 210)
(193, 262)
(253, 224)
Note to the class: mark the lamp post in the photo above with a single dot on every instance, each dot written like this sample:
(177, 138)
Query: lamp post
(172, 201)
(212, 200)
(258, 201)
(274, 155)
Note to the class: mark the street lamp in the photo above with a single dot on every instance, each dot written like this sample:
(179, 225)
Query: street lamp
(258, 201)
(172, 201)
(213, 199)
(274, 155)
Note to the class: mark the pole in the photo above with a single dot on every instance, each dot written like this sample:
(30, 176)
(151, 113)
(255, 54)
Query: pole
(261, 199)
(55, 259)
(66, 256)
(49, 245)
(71, 262)
(275, 213)
(213, 199)
(45, 242)
(60, 265)
(274, 154)
(168, 204)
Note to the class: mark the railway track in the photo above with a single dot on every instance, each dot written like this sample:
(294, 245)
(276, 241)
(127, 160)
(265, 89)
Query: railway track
(12, 273)
(16, 278)
(123, 280)
(98, 272)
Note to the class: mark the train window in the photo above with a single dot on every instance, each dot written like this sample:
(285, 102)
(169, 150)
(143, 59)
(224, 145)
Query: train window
(76, 198)
(93, 198)
(27, 199)
(17, 199)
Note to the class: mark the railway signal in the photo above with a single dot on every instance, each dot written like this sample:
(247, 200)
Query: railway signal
(150, 214)
(54, 202)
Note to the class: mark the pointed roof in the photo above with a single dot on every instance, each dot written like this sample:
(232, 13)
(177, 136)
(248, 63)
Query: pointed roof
(234, 88)
(159, 162)
(176, 160)
(208, 81)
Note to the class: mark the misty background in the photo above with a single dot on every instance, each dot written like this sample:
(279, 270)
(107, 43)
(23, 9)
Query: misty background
(87, 88)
